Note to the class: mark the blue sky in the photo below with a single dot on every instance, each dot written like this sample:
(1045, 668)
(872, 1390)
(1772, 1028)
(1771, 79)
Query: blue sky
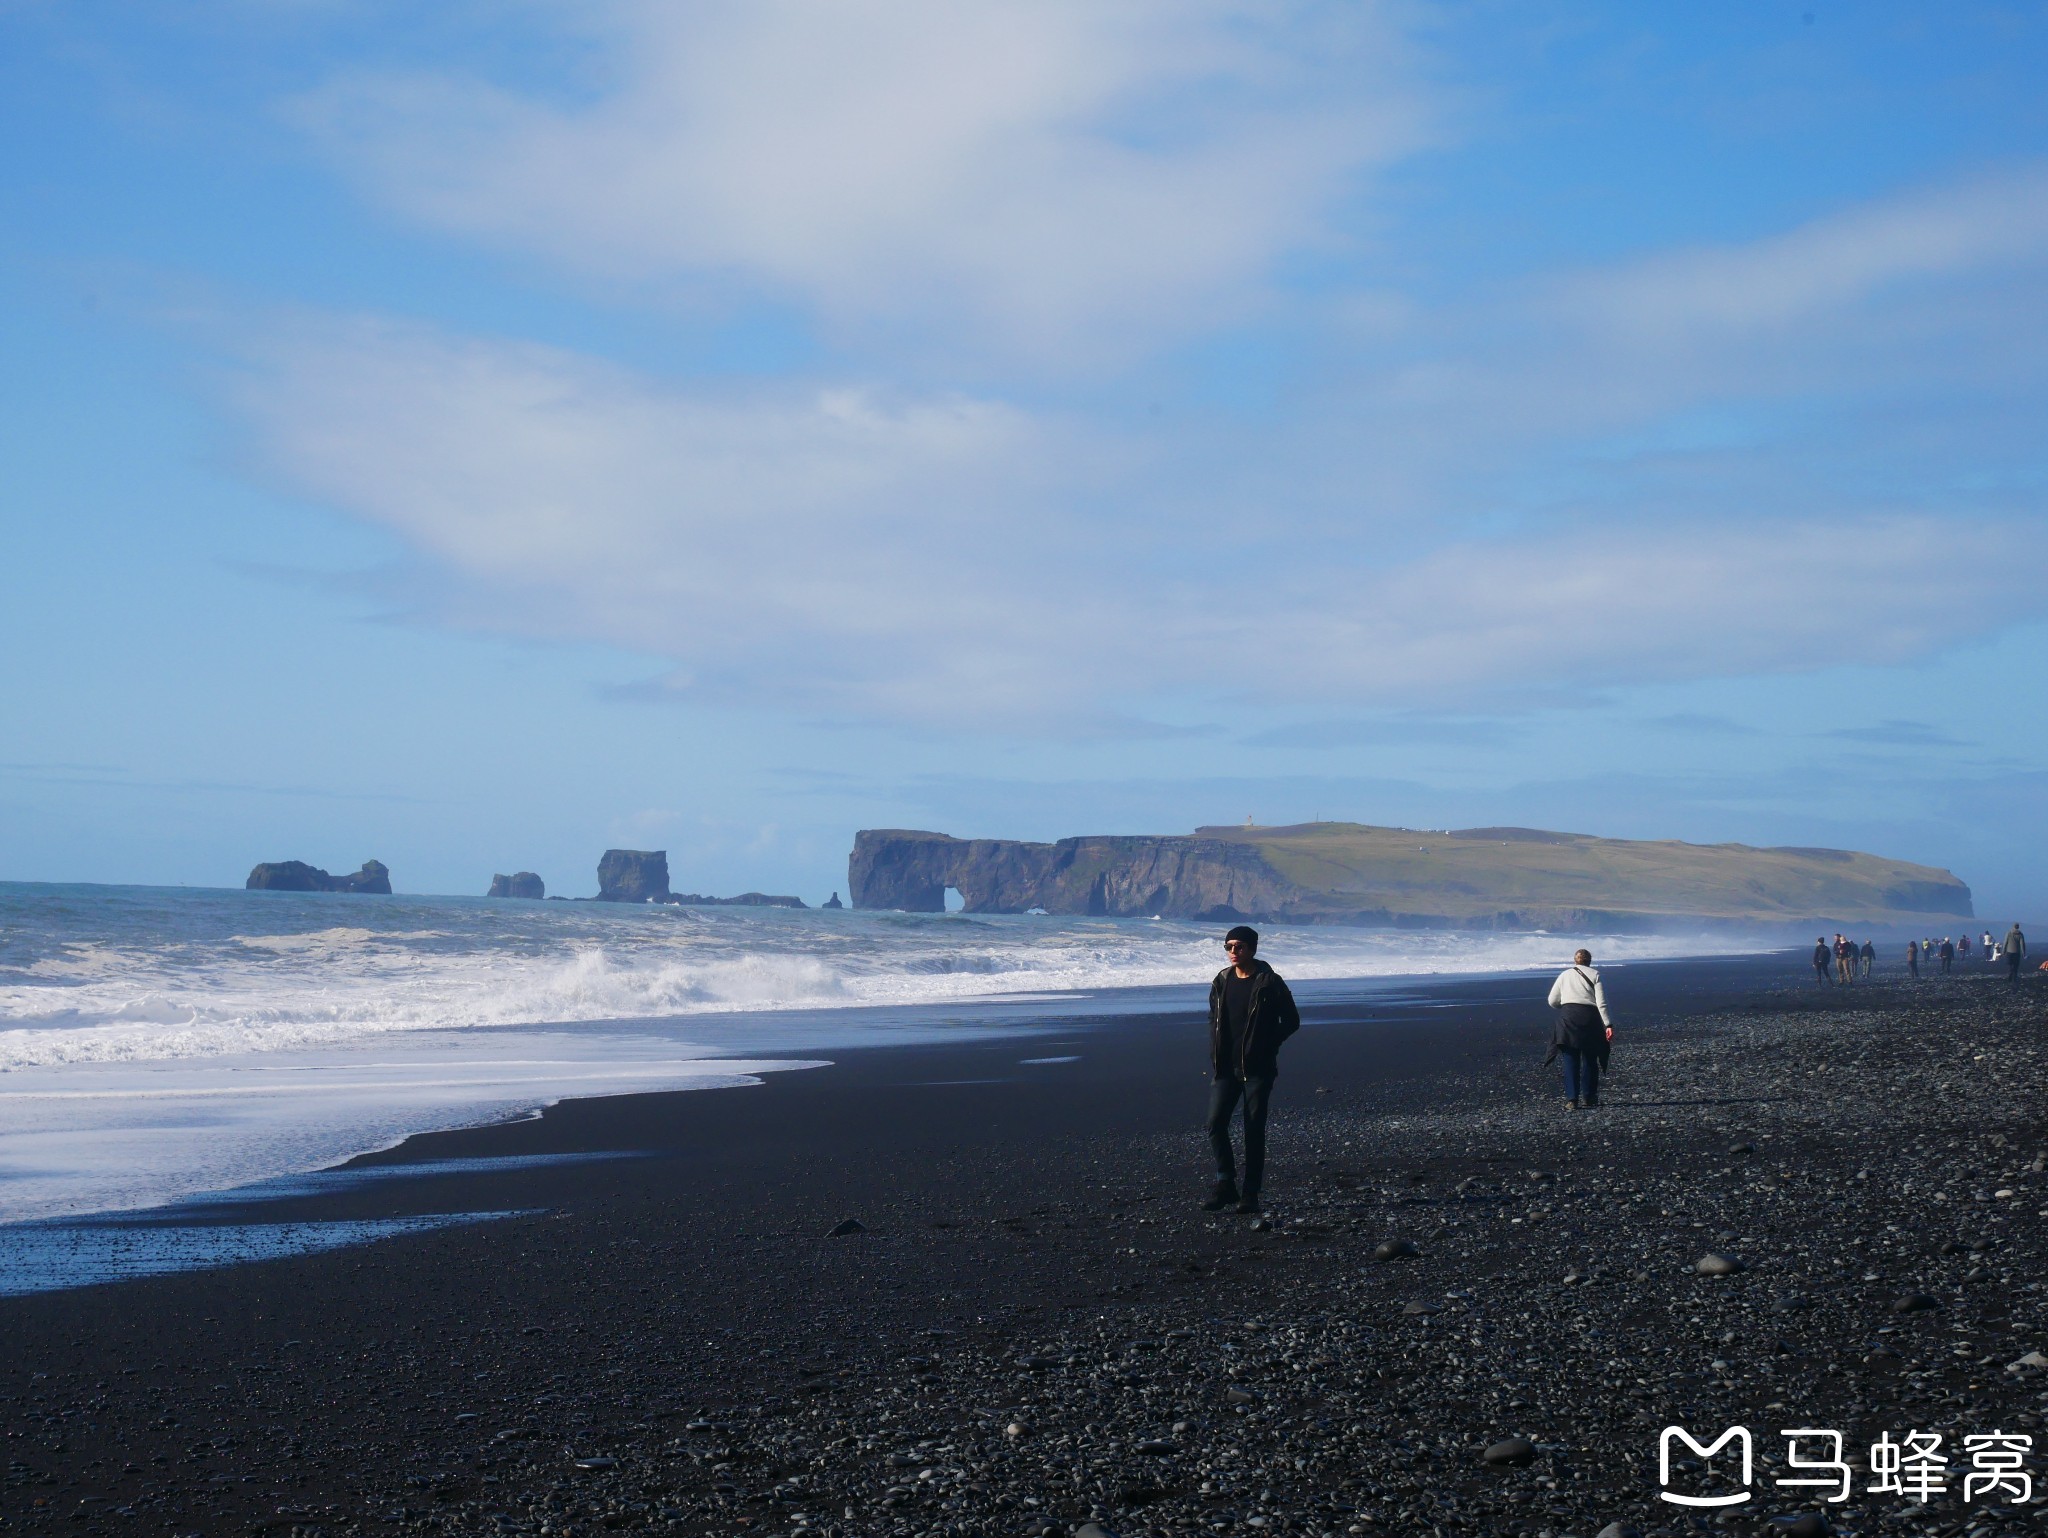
(477, 439)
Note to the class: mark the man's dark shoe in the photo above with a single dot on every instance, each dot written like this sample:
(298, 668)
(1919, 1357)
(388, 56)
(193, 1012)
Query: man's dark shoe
(1223, 1196)
(1249, 1202)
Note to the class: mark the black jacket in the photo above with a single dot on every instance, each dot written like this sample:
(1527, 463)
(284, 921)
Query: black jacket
(1579, 1028)
(1271, 1019)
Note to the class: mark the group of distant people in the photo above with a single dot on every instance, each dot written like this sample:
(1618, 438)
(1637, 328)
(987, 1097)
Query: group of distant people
(2012, 950)
(1844, 961)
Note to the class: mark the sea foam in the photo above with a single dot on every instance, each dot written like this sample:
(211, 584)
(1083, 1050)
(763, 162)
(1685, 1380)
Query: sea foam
(158, 1043)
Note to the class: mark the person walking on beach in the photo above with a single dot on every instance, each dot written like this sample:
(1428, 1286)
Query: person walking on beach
(1821, 957)
(1845, 962)
(2015, 951)
(1948, 953)
(1583, 1032)
(1990, 947)
(1913, 957)
(1869, 959)
(1251, 1012)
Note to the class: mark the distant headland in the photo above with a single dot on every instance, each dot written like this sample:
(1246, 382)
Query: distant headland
(1351, 873)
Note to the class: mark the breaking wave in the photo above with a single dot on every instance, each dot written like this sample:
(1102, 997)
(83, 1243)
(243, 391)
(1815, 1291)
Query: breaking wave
(97, 975)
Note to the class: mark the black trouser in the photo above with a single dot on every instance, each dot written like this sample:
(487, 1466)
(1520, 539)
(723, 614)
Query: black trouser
(2012, 967)
(1256, 1091)
(1820, 970)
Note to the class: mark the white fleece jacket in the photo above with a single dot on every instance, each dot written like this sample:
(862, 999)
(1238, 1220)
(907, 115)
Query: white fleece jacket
(1580, 985)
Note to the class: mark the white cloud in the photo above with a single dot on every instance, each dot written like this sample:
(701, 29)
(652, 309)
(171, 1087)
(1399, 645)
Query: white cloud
(1651, 602)
(1889, 356)
(823, 547)
(961, 563)
(1829, 269)
(1702, 463)
(1060, 179)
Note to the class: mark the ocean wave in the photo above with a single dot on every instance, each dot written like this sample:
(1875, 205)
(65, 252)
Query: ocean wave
(208, 974)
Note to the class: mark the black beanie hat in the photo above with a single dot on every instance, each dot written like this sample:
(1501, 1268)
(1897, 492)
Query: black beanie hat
(1244, 932)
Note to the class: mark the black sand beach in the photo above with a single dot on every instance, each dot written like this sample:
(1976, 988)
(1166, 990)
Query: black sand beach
(1035, 1327)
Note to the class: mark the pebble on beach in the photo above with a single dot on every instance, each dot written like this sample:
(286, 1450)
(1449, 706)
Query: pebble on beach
(1051, 1343)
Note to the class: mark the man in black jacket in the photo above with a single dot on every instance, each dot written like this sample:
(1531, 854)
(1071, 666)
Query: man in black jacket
(1250, 1014)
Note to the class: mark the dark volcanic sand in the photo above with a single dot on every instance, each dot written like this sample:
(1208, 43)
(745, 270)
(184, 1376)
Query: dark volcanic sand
(1037, 1328)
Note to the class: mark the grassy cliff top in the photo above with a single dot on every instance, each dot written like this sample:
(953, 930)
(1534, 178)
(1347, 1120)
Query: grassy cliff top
(1472, 870)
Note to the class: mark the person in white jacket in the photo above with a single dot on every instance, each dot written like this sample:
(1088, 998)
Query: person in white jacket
(1583, 1031)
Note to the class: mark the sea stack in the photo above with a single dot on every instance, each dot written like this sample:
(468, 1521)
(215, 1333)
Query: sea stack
(633, 876)
(298, 876)
(834, 902)
(523, 883)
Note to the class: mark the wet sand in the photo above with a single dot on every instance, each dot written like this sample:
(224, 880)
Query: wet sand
(671, 1341)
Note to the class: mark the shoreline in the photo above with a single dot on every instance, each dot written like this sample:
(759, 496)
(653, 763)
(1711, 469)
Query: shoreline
(175, 1114)
(672, 1343)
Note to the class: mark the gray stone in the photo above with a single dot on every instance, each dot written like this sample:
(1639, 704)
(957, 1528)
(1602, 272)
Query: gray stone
(1512, 1453)
(1914, 1303)
(1395, 1249)
(1719, 1265)
(850, 1226)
